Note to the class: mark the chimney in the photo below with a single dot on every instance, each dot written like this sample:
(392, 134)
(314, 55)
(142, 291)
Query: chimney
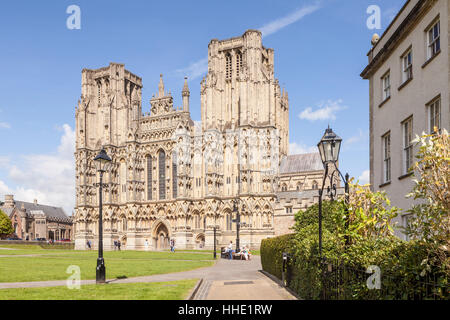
(9, 201)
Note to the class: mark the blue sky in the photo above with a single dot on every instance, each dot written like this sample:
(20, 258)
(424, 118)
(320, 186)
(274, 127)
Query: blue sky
(320, 50)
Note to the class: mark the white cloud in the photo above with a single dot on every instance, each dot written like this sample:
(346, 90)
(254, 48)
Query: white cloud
(49, 178)
(364, 178)
(326, 111)
(195, 69)
(283, 22)
(198, 68)
(5, 125)
(295, 148)
(360, 137)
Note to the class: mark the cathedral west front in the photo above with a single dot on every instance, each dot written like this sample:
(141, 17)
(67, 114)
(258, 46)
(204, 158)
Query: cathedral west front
(173, 178)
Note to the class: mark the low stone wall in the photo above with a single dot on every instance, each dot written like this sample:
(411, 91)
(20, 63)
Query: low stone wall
(42, 244)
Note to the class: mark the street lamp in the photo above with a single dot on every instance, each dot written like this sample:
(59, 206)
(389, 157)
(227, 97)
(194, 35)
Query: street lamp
(238, 224)
(102, 162)
(329, 148)
(215, 230)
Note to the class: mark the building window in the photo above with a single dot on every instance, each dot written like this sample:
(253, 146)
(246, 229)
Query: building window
(238, 63)
(149, 177)
(229, 222)
(315, 185)
(407, 145)
(99, 92)
(386, 80)
(434, 115)
(228, 68)
(283, 188)
(434, 40)
(162, 174)
(174, 175)
(123, 181)
(407, 66)
(288, 209)
(387, 158)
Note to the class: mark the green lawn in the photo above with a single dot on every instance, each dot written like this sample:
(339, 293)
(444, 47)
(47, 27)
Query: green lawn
(175, 290)
(52, 264)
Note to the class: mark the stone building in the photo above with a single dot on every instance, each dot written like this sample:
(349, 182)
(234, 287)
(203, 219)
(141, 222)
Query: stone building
(34, 220)
(173, 178)
(409, 78)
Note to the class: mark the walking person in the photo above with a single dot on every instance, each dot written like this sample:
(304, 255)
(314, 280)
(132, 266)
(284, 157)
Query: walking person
(146, 245)
(115, 245)
(172, 245)
(230, 250)
(118, 244)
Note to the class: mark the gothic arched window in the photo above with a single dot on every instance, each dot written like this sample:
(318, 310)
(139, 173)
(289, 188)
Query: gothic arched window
(162, 174)
(238, 63)
(315, 185)
(228, 66)
(123, 181)
(174, 175)
(229, 221)
(149, 177)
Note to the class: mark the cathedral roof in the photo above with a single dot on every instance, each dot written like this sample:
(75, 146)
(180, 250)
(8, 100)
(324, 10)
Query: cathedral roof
(301, 163)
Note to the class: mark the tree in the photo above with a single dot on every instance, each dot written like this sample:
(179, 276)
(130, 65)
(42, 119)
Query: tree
(5, 225)
(430, 217)
(370, 213)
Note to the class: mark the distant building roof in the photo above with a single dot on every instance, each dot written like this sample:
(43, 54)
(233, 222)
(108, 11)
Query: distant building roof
(301, 163)
(52, 213)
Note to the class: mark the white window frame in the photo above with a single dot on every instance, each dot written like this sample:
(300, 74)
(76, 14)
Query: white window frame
(434, 111)
(387, 167)
(434, 39)
(407, 71)
(407, 137)
(386, 85)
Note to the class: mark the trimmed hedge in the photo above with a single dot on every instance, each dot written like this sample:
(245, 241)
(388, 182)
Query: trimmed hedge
(272, 253)
(409, 269)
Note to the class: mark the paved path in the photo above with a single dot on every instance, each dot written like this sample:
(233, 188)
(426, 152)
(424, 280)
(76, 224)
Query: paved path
(226, 280)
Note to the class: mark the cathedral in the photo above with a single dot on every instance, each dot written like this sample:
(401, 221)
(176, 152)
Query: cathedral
(173, 178)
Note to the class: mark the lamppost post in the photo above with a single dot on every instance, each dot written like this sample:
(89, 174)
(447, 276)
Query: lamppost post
(238, 222)
(238, 228)
(102, 161)
(101, 271)
(329, 147)
(215, 255)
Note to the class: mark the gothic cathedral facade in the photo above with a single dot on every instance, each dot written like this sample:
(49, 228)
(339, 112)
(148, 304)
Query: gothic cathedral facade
(171, 177)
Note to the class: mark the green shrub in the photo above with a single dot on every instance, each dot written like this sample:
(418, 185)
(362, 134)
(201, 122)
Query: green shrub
(408, 270)
(272, 253)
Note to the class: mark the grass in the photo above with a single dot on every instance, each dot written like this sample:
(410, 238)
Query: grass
(174, 290)
(52, 264)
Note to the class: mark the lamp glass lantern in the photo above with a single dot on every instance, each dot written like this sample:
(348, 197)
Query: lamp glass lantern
(102, 161)
(329, 147)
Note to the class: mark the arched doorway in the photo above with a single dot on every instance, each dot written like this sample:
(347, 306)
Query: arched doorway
(161, 237)
(123, 241)
(200, 241)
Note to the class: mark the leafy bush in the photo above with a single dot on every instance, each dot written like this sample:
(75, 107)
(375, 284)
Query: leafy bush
(6, 227)
(343, 276)
(272, 253)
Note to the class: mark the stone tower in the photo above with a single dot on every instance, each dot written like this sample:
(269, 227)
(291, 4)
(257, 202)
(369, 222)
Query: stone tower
(240, 89)
(110, 106)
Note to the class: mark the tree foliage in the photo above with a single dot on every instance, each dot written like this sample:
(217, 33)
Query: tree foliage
(5, 225)
(430, 218)
(370, 213)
